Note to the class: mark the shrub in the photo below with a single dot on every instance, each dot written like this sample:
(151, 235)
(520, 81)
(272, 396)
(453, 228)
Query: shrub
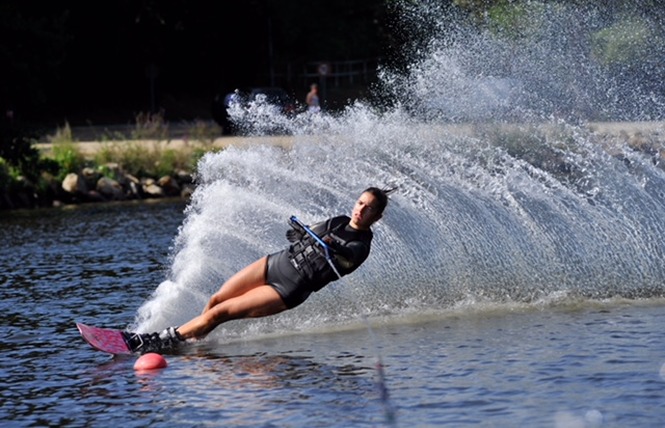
(68, 158)
(5, 176)
(142, 160)
(17, 151)
(65, 153)
(150, 126)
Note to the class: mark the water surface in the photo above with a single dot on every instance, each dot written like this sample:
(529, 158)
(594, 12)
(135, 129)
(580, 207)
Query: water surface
(581, 363)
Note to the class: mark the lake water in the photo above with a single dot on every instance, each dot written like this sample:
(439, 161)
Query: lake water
(516, 278)
(573, 363)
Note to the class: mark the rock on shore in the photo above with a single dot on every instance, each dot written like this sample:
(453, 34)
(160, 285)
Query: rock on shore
(89, 186)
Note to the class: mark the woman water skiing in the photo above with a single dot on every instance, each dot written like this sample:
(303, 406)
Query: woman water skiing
(285, 279)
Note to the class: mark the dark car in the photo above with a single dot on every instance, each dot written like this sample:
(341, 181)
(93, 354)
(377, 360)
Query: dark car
(271, 95)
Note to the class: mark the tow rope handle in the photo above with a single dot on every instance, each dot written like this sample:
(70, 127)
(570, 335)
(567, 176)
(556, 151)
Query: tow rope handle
(326, 248)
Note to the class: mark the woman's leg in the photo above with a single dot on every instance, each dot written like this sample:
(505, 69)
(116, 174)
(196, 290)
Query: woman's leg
(244, 295)
(244, 280)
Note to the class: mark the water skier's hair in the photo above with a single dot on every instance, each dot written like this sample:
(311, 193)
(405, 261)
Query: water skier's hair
(381, 196)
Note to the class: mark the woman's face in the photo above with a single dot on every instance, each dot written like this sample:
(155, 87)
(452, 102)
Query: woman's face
(365, 212)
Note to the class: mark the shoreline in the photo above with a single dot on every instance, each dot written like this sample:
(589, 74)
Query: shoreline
(91, 145)
(90, 148)
(113, 183)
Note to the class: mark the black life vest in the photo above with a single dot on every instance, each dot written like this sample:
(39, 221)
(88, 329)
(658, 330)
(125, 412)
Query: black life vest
(352, 247)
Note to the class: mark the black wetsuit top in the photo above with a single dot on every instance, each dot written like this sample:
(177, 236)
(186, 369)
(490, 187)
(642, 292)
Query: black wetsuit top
(301, 269)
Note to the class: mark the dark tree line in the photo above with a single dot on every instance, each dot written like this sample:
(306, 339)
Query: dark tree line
(75, 60)
(107, 61)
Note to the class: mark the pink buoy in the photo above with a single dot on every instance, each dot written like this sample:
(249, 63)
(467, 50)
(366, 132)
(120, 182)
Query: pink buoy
(150, 361)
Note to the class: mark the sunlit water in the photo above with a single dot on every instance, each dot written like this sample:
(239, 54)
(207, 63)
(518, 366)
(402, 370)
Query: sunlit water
(577, 363)
(516, 279)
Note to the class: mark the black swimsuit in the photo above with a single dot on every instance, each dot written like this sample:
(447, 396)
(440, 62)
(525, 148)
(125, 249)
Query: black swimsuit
(301, 269)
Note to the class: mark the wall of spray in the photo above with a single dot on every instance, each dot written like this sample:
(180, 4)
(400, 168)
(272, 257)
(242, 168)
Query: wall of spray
(505, 196)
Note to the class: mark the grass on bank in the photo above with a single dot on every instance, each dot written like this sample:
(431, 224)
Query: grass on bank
(30, 178)
(146, 153)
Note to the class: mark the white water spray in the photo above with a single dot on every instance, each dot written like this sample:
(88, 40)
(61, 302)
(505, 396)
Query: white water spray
(486, 212)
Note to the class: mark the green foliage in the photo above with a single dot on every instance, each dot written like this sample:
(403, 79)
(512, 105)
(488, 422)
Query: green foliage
(129, 155)
(68, 157)
(477, 8)
(39, 177)
(153, 160)
(166, 162)
(21, 159)
(5, 176)
(625, 42)
(16, 144)
(65, 153)
(196, 156)
(509, 19)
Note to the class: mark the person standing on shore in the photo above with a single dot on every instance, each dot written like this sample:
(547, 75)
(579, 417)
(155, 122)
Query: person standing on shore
(285, 279)
(312, 99)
